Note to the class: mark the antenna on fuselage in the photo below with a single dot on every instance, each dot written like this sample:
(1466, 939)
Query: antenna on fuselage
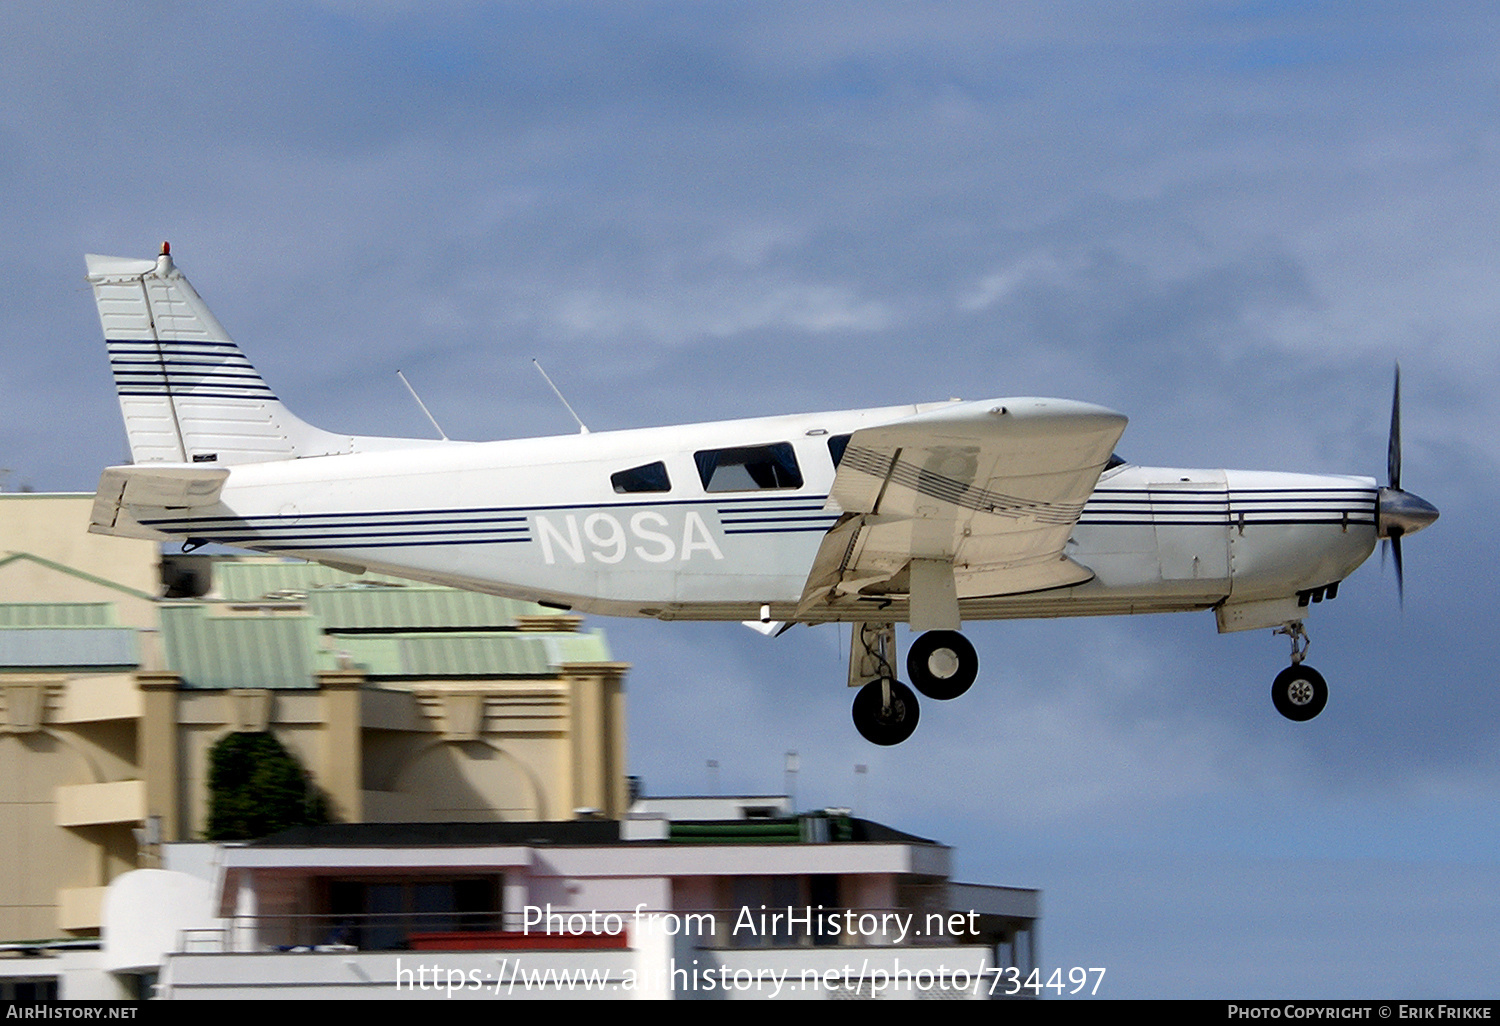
(420, 403)
(583, 428)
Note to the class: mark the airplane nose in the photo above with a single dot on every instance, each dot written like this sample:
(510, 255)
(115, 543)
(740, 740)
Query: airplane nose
(1401, 513)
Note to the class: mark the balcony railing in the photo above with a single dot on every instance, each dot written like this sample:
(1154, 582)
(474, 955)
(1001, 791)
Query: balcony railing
(542, 929)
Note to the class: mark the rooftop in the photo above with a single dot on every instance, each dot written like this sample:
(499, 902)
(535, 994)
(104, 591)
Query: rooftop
(797, 829)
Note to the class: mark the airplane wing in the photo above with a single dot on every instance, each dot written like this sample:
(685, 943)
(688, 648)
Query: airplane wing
(968, 500)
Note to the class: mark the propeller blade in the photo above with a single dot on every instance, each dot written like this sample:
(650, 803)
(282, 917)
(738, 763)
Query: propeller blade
(1400, 576)
(1393, 450)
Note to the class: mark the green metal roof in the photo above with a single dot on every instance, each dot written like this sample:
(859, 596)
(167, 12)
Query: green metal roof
(578, 647)
(57, 614)
(343, 601)
(460, 654)
(239, 651)
(412, 608)
(287, 649)
(253, 580)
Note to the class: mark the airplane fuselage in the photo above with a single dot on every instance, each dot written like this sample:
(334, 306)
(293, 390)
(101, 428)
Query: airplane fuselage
(635, 523)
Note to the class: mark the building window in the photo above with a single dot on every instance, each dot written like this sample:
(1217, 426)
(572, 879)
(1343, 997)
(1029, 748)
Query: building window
(385, 915)
(41, 988)
(823, 895)
(759, 918)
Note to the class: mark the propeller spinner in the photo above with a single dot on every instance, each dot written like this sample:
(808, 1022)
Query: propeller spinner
(1398, 512)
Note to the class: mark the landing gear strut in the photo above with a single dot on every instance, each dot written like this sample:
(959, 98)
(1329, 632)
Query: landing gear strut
(942, 665)
(1299, 692)
(885, 710)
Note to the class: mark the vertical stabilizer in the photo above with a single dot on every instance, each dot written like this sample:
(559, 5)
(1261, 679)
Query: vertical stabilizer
(187, 392)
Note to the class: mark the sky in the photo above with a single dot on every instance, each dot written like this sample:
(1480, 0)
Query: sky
(1226, 220)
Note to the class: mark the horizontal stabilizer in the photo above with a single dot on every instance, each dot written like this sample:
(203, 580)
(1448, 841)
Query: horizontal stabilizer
(155, 486)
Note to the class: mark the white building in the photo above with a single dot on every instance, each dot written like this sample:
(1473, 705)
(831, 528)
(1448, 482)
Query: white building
(816, 906)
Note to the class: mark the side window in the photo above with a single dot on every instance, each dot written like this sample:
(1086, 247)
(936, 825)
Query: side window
(650, 478)
(752, 468)
(836, 446)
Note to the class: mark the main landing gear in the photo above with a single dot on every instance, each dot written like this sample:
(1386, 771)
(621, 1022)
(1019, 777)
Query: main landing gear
(942, 665)
(886, 711)
(1299, 692)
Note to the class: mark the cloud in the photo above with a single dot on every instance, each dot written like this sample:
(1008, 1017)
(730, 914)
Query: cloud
(690, 314)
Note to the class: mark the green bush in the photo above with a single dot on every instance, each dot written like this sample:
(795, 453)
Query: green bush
(256, 788)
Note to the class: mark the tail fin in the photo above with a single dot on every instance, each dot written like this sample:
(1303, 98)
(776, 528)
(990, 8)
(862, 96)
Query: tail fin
(187, 392)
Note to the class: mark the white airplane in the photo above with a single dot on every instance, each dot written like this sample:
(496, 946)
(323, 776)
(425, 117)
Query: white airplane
(927, 514)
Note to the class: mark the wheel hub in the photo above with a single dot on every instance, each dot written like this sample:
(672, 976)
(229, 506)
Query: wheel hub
(943, 663)
(893, 713)
(1300, 692)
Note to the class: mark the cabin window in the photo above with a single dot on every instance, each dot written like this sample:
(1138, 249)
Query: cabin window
(751, 468)
(650, 478)
(836, 446)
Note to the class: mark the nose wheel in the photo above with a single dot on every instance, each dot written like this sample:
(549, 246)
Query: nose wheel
(1299, 693)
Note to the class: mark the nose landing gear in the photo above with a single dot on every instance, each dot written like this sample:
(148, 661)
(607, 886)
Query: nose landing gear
(1299, 692)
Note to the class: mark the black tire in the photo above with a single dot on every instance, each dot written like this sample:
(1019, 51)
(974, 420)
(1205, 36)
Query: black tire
(1299, 693)
(882, 726)
(942, 664)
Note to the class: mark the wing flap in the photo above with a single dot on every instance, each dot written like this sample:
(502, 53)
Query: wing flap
(989, 489)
